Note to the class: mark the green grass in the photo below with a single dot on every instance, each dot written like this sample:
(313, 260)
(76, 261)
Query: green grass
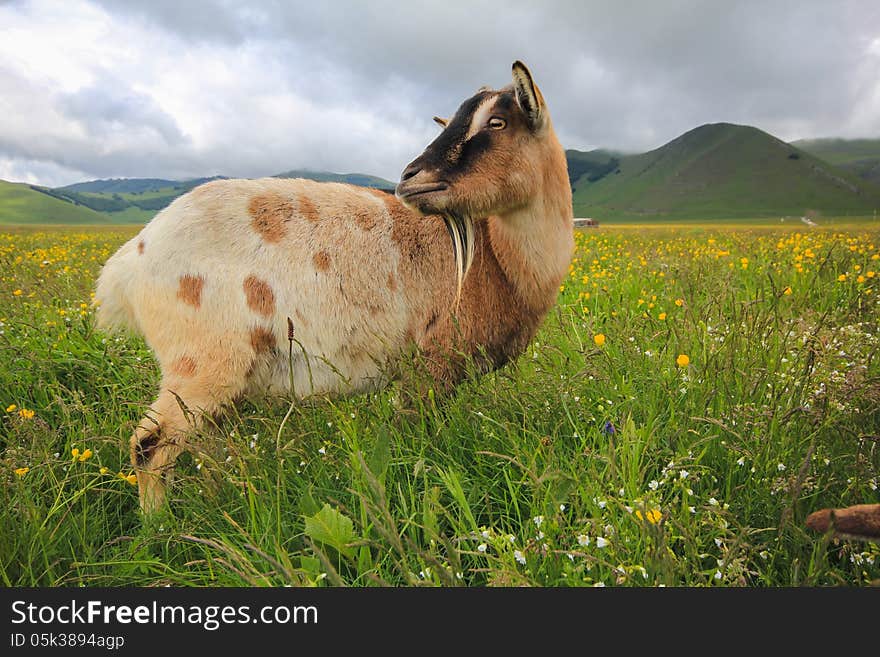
(705, 479)
(19, 204)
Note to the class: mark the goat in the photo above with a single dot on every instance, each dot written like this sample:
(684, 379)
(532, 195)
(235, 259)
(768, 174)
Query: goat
(365, 277)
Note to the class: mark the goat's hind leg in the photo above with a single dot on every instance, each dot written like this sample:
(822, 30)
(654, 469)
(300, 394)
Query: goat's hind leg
(156, 443)
(181, 407)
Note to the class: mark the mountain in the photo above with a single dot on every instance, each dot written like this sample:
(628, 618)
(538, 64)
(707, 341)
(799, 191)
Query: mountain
(720, 171)
(119, 186)
(124, 200)
(23, 204)
(359, 179)
(858, 156)
(594, 164)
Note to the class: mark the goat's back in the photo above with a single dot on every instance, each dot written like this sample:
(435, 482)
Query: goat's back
(238, 257)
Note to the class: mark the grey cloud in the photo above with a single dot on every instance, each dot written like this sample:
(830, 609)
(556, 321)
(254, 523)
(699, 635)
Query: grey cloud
(111, 106)
(627, 75)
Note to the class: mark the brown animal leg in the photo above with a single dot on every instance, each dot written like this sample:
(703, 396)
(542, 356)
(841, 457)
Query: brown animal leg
(858, 521)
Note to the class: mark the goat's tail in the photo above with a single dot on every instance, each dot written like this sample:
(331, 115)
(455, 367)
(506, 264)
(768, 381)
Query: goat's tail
(113, 307)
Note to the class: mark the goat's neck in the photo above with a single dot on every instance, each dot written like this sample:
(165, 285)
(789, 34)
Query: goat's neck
(533, 246)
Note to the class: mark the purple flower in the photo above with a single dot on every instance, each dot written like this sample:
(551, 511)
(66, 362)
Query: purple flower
(609, 429)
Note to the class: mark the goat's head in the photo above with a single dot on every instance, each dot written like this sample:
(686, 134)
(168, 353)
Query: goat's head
(488, 158)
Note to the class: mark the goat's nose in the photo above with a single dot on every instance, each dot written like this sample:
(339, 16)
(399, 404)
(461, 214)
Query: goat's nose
(411, 170)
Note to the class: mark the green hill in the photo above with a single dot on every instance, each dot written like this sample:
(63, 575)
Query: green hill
(359, 179)
(720, 171)
(123, 200)
(858, 156)
(22, 204)
(119, 185)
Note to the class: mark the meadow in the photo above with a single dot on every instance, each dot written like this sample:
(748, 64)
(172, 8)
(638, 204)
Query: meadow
(697, 391)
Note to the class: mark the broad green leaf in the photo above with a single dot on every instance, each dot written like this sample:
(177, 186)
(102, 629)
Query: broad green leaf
(330, 527)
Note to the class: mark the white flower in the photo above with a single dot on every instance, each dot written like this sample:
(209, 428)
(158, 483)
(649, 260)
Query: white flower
(599, 585)
(741, 461)
(511, 538)
(520, 557)
(600, 503)
(583, 540)
(540, 535)
(323, 450)
(601, 542)
(485, 534)
(481, 547)
(683, 474)
(718, 542)
(692, 509)
(717, 574)
(780, 466)
(562, 507)
(653, 484)
(538, 520)
(713, 501)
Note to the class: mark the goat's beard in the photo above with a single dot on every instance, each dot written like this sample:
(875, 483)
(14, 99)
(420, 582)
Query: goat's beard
(461, 231)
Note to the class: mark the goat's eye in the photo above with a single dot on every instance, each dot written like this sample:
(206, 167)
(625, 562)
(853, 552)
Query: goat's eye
(497, 123)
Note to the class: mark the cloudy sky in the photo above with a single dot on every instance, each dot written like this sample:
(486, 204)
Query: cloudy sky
(181, 89)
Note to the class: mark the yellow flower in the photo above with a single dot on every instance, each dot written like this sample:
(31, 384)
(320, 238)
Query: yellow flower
(860, 279)
(682, 360)
(11, 408)
(75, 452)
(870, 274)
(841, 278)
(130, 478)
(787, 290)
(26, 414)
(661, 316)
(599, 339)
(679, 302)
(21, 472)
(85, 456)
(17, 293)
(103, 470)
(651, 515)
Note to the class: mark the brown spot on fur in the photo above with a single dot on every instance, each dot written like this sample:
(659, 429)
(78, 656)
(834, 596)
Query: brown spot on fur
(262, 340)
(270, 214)
(190, 290)
(405, 231)
(184, 366)
(259, 295)
(307, 209)
(365, 217)
(141, 247)
(392, 282)
(322, 261)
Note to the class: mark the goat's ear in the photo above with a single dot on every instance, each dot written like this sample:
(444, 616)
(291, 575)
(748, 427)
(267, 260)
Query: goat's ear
(528, 96)
(441, 122)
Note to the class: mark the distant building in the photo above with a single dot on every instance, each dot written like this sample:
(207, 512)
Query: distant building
(585, 222)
